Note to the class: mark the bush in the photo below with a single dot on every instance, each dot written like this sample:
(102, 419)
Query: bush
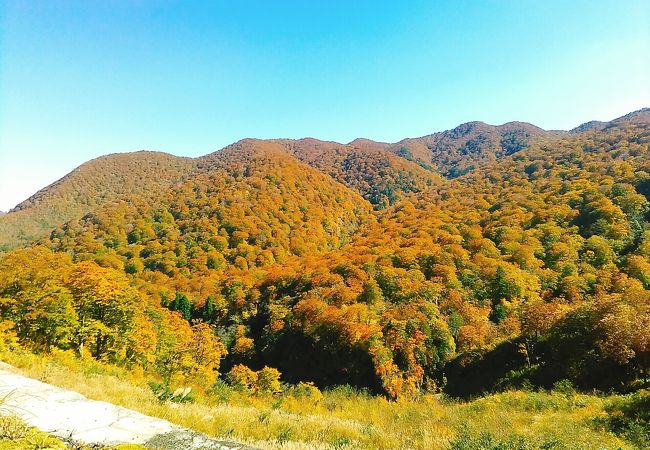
(268, 381)
(221, 391)
(629, 417)
(164, 393)
(263, 382)
(564, 387)
(307, 391)
(467, 440)
(18, 435)
(8, 337)
(242, 379)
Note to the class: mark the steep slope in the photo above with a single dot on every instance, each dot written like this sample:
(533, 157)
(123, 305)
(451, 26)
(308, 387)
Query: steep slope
(380, 176)
(89, 186)
(588, 126)
(537, 263)
(367, 167)
(382, 173)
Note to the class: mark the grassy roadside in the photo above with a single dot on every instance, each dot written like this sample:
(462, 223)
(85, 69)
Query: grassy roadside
(346, 419)
(15, 434)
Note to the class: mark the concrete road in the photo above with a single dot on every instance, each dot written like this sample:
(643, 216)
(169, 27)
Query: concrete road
(71, 416)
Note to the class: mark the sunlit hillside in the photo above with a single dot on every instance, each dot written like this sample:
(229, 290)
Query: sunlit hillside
(470, 262)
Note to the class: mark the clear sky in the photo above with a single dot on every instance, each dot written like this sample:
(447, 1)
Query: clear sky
(79, 79)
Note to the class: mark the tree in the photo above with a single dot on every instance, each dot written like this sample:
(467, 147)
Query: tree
(106, 307)
(371, 293)
(639, 268)
(242, 378)
(503, 287)
(52, 319)
(34, 297)
(624, 327)
(537, 319)
(142, 341)
(174, 353)
(206, 350)
(183, 305)
(209, 309)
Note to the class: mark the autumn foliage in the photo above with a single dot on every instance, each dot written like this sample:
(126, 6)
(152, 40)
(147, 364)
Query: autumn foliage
(359, 264)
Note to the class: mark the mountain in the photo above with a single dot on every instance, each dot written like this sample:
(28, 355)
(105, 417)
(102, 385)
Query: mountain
(470, 145)
(639, 116)
(380, 176)
(89, 186)
(250, 204)
(356, 263)
(369, 168)
(381, 173)
(589, 126)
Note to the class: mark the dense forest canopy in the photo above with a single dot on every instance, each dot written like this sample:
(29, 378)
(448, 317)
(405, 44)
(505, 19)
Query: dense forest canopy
(469, 260)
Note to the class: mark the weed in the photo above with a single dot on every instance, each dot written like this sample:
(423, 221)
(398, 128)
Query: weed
(12, 427)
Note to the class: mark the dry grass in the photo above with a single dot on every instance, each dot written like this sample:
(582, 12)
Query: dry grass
(15, 434)
(344, 419)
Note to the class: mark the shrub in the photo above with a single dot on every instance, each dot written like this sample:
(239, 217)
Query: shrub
(221, 391)
(564, 387)
(165, 394)
(268, 381)
(242, 379)
(629, 417)
(467, 440)
(8, 337)
(307, 391)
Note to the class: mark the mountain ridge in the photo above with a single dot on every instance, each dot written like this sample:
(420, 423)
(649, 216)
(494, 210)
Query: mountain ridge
(382, 172)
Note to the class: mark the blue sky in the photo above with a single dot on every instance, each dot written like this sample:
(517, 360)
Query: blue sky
(79, 79)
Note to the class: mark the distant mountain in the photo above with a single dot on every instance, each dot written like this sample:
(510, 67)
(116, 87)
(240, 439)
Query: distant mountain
(251, 198)
(589, 126)
(367, 167)
(470, 145)
(381, 172)
(642, 115)
(380, 176)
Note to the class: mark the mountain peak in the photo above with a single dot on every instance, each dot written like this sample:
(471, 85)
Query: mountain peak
(588, 126)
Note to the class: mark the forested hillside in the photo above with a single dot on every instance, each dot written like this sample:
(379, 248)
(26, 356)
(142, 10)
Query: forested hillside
(379, 175)
(382, 173)
(471, 145)
(88, 187)
(467, 261)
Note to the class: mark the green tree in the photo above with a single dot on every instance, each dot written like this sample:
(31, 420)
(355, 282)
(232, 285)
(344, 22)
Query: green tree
(209, 309)
(183, 305)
